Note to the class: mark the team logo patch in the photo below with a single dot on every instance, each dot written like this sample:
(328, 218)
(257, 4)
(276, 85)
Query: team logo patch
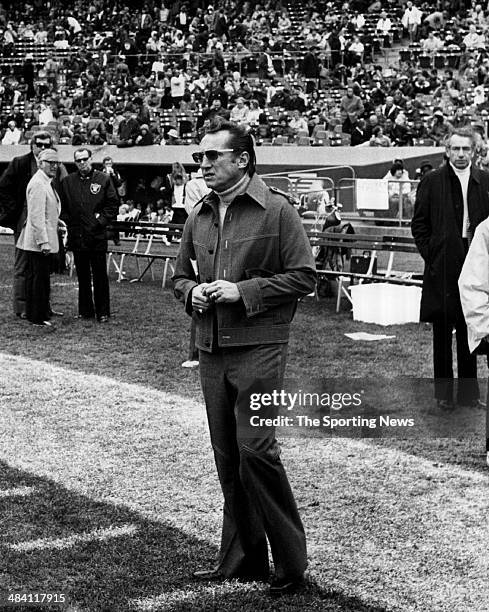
(95, 188)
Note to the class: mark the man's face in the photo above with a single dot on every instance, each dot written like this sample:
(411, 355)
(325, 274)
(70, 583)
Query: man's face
(83, 162)
(224, 172)
(460, 151)
(49, 168)
(39, 144)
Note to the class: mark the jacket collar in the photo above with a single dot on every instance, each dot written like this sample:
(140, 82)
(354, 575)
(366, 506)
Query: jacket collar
(256, 190)
(475, 173)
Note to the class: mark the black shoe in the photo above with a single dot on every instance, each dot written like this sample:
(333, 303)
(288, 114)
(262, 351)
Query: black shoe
(56, 313)
(103, 319)
(21, 315)
(444, 404)
(475, 403)
(286, 586)
(43, 324)
(79, 316)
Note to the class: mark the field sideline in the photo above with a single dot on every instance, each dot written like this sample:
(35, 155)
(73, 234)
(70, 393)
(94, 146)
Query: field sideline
(108, 491)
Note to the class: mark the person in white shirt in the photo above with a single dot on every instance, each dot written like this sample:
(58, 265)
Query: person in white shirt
(356, 50)
(411, 20)
(432, 44)
(298, 123)
(12, 135)
(239, 112)
(384, 24)
(177, 86)
(473, 40)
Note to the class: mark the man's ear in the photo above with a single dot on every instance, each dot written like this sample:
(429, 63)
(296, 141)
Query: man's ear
(243, 159)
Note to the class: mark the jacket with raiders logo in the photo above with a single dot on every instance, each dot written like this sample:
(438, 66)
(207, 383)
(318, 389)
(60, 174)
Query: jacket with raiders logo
(88, 205)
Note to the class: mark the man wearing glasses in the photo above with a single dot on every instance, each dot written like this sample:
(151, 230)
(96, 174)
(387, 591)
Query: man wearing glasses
(89, 204)
(254, 262)
(39, 237)
(13, 208)
(450, 203)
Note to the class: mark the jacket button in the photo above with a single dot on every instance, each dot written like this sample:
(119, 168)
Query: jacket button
(211, 251)
(216, 224)
(207, 343)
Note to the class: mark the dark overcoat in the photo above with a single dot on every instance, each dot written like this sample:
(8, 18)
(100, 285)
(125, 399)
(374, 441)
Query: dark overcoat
(437, 230)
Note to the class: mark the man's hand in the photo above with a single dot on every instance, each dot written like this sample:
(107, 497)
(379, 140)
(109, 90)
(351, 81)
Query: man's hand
(222, 292)
(45, 250)
(200, 302)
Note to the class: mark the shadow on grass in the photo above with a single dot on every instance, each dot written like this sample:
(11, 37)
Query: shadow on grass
(147, 566)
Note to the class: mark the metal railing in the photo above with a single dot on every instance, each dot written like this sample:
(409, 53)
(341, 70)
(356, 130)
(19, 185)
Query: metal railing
(377, 199)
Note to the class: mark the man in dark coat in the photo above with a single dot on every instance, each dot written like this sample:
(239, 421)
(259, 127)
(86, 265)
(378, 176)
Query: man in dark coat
(13, 207)
(450, 202)
(89, 203)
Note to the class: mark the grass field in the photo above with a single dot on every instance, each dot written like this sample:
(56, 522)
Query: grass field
(108, 491)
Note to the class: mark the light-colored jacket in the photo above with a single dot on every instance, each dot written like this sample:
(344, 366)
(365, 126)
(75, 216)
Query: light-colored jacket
(43, 208)
(474, 286)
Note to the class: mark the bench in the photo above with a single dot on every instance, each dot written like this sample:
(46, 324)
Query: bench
(339, 248)
(145, 241)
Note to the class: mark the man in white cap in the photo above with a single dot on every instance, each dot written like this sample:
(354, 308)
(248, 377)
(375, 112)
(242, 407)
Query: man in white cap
(172, 138)
(39, 237)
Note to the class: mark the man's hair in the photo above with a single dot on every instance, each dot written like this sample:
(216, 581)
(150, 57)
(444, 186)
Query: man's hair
(240, 139)
(42, 135)
(81, 150)
(465, 132)
(105, 159)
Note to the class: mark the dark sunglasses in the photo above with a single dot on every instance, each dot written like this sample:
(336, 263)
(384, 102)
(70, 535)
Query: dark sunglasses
(212, 155)
(43, 145)
(81, 159)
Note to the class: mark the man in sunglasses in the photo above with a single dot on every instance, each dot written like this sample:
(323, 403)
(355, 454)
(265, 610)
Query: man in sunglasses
(254, 262)
(13, 207)
(89, 203)
(39, 237)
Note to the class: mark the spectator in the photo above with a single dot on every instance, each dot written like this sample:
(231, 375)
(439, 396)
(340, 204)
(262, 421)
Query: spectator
(298, 123)
(172, 138)
(358, 133)
(473, 40)
(239, 112)
(378, 138)
(351, 108)
(174, 192)
(411, 20)
(12, 134)
(388, 110)
(440, 128)
(145, 137)
(432, 44)
(128, 128)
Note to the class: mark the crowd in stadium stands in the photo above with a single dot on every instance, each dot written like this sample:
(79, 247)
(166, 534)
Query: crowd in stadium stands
(313, 73)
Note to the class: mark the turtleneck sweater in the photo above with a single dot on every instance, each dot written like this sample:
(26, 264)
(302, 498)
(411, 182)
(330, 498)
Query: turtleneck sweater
(463, 176)
(225, 199)
(227, 196)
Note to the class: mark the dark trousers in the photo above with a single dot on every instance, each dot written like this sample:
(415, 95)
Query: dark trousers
(258, 500)
(20, 266)
(92, 266)
(468, 387)
(37, 287)
(193, 353)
